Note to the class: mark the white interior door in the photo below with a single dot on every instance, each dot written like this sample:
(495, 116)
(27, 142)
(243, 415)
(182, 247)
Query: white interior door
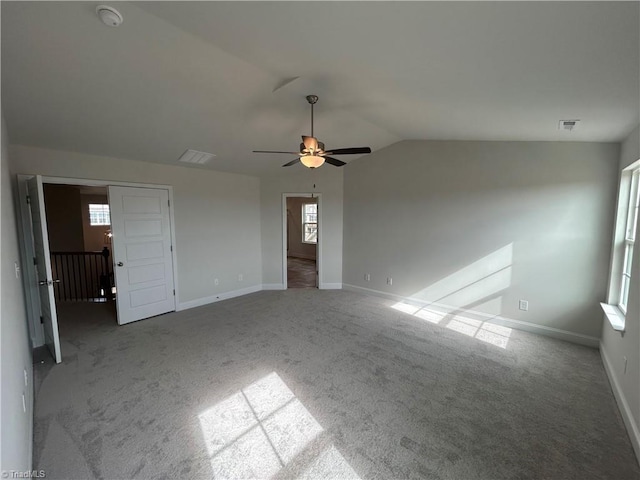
(141, 242)
(44, 278)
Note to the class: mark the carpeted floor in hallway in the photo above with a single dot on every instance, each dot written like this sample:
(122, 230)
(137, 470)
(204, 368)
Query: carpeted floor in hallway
(308, 383)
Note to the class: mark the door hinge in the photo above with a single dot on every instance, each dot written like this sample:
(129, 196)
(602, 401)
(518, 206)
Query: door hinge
(41, 319)
(35, 261)
(171, 247)
(28, 199)
(174, 292)
(169, 203)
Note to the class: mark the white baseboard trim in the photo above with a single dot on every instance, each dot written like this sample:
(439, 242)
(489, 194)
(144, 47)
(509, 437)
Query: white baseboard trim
(627, 416)
(273, 286)
(330, 286)
(218, 297)
(498, 320)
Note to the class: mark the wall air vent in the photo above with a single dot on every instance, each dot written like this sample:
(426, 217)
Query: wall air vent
(196, 157)
(568, 125)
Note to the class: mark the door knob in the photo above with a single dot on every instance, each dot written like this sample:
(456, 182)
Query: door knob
(120, 264)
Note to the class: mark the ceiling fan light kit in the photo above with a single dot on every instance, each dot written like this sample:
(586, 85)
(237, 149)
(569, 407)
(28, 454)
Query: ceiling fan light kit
(311, 161)
(312, 152)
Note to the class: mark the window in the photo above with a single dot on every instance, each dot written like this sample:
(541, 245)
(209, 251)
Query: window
(626, 223)
(629, 239)
(99, 214)
(309, 223)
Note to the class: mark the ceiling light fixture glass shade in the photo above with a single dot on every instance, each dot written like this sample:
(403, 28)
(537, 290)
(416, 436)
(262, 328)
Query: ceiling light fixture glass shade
(312, 161)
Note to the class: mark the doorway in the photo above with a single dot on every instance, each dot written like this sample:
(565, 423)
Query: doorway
(63, 224)
(301, 236)
(80, 251)
(79, 242)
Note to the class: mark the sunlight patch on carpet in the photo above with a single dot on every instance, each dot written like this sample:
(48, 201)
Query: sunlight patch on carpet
(263, 428)
(484, 331)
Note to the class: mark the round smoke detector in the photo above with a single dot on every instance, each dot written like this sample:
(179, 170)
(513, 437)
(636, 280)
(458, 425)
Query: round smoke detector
(109, 15)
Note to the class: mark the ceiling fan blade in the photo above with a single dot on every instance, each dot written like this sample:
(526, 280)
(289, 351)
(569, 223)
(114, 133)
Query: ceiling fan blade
(272, 151)
(334, 161)
(292, 162)
(349, 151)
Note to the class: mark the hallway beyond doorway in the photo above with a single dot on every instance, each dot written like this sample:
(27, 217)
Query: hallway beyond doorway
(301, 273)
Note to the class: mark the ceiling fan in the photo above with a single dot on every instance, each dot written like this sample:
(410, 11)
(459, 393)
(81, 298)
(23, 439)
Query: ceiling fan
(312, 153)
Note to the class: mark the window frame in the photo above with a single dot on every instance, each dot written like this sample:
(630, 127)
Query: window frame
(630, 225)
(305, 223)
(103, 212)
(628, 210)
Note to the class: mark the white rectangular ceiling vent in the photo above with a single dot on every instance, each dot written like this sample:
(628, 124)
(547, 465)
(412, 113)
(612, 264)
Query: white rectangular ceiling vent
(568, 125)
(194, 156)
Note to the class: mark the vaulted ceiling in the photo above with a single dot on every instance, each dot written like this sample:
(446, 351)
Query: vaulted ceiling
(231, 77)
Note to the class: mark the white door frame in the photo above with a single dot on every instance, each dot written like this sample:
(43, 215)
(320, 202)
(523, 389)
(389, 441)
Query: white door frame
(28, 277)
(284, 235)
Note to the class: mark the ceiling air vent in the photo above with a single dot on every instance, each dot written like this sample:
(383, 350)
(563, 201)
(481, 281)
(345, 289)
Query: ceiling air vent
(196, 157)
(568, 125)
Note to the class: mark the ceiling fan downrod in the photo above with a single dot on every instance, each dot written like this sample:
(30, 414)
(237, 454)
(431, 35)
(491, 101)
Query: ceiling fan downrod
(312, 99)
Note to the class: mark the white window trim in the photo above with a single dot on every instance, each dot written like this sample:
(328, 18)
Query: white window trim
(105, 210)
(615, 316)
(614, 309)
(309, 223)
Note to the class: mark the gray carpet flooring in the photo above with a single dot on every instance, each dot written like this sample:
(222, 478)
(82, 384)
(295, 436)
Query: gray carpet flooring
(321, 384)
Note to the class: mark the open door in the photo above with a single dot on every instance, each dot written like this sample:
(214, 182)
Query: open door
(44, 278)
(143, 263)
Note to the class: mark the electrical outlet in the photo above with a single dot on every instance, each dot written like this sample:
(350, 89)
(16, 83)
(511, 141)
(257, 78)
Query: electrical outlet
(240, 277)
(367, 277)
(389, 281)
(523, 305)
(216, 281)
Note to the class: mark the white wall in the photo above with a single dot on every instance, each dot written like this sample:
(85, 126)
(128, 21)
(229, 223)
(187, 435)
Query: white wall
(615, 345)
(481, 225)
(15, 424)
(328, 181)
(217, 215)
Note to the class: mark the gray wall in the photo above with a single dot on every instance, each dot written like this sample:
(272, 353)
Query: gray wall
(297, 248)
(217, 214)
(16, 436)
(328, 181)
(63, 210)
(481, 225)
(614, 345)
